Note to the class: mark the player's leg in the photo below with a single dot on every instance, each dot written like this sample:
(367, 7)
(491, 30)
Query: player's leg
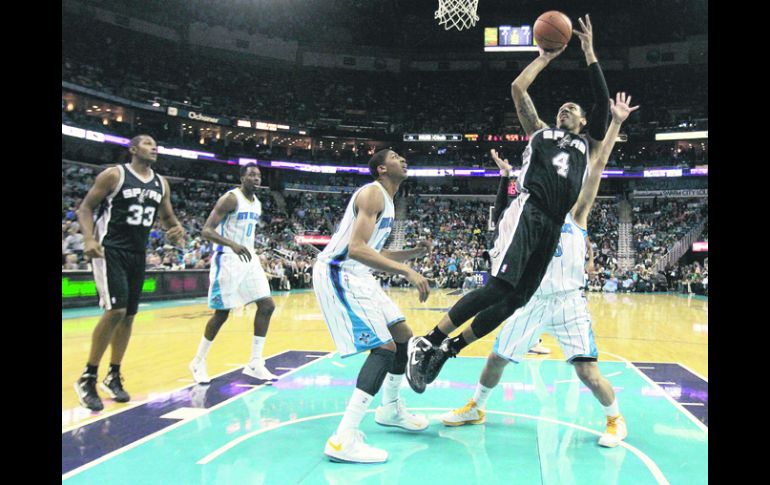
(113, 382)
(571, 326)
(256, 366)
(393, 411)
(198, 365)
(219, 300)
(514, 339)
(494, 298)
(588, 372)
(112, 285)
(356, 325)
(255, 287)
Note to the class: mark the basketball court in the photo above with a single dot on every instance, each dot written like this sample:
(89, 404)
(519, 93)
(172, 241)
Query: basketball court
(542, 422)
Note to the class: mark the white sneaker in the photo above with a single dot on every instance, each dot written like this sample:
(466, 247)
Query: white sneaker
(395, 414)
(615, 433)
(468, 414)
(256, 368)
(349, 446)
(540, 349)
(198, 368)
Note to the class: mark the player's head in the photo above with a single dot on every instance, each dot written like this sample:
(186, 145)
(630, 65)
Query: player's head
(387, 163)
(143, 148)
(571, 117)
(251, 177)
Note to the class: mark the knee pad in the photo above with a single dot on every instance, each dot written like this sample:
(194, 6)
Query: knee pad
(374, 369)
(400, 359)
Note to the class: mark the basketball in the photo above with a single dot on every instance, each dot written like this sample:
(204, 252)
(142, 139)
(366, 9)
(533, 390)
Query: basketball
(552, 30)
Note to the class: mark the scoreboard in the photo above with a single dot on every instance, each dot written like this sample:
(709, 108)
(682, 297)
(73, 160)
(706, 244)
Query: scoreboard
(509, 38)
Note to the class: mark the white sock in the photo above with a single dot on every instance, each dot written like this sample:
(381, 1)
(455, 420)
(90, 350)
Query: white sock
(612, 410)
(481, 396)
(354, 413)
(203, 349)
(390, 387)
(256, 348)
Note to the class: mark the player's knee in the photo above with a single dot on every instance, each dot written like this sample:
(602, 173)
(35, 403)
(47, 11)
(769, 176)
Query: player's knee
(220, 317)
(128, 320)
(588, 372)
(390, 346)
(495, 361)
(116, 315)
(266, 306)
(401, 332)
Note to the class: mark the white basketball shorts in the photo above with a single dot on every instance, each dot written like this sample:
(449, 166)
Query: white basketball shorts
(234, 282)
(356, 309)
(564, 315)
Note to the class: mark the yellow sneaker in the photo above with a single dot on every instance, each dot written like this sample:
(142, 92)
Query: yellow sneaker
(468, 414)
(615, 433)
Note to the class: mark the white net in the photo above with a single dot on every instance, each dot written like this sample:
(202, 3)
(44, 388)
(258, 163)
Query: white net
(460, 14)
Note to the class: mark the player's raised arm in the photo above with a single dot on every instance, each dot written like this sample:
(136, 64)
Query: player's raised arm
(369, 203)
(105, 183)
(168, 221)
(225, 205)
(597, 118)
(621, 109)
(525, 109)
(501, 199)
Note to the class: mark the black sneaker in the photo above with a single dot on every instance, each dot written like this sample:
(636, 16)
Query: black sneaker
(437, 359)
(113, 385)
(85, 387)
(419, 351)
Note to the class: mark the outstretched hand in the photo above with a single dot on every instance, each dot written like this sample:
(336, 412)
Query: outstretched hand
(503, 165)
(587, 35)
(621, 107)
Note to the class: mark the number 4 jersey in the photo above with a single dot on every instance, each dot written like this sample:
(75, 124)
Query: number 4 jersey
(126, 216)
(554, 169)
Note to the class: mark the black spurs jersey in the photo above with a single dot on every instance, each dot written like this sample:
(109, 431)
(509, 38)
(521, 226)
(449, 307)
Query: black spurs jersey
(554, 168)
(126, 216)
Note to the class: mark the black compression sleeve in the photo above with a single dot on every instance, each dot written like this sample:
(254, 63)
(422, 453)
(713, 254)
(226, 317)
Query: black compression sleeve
(598, 119)
(501, 200)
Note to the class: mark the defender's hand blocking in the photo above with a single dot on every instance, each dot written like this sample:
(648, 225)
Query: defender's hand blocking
(587, 35)
(93, 249)
(503, 165)
(419, 282)
(621, 108)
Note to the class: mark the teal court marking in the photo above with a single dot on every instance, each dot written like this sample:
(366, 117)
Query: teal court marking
(537, 431)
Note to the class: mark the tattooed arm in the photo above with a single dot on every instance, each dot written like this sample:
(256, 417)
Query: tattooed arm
(525, 109)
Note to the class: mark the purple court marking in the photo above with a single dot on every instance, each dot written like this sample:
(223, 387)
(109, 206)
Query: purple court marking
(686, 387)
(94, 440)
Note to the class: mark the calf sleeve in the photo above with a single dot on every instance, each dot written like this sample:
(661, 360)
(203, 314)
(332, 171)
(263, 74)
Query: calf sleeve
(374, 369)
(495, 291)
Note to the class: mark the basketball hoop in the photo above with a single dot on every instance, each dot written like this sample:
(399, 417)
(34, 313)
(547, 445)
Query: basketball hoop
(460, 14)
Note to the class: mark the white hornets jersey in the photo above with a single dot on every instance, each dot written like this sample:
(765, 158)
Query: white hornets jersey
(336, 252)
(240, 225)
(566, 271)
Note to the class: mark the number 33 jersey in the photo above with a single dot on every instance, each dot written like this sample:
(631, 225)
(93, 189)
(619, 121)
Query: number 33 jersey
(553, 170)
(126, 216)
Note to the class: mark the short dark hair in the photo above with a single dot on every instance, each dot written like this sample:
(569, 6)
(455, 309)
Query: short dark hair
(137, 139)
(377, 160)
(245, 168)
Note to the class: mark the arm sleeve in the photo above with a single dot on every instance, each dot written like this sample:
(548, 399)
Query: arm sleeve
(600, 111)
(501, 200)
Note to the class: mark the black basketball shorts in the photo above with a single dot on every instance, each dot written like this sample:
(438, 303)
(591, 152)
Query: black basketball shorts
(119, 278)
(526, 242)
